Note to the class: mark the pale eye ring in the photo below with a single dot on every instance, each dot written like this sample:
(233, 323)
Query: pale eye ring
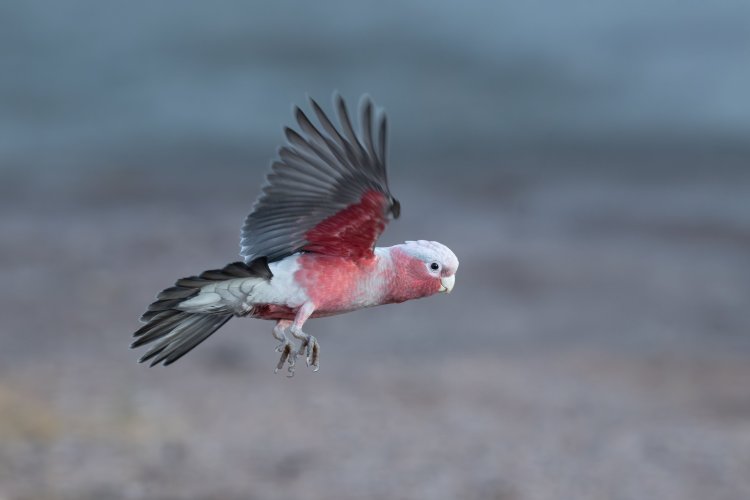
(434, 266)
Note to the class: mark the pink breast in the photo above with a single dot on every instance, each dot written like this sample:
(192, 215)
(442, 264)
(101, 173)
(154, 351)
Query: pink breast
(334, 284)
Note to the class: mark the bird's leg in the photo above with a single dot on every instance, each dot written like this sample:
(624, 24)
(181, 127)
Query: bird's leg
(286, 347)
(309, 345)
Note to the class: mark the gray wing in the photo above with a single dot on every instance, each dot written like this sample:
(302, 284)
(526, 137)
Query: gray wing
(327, 192)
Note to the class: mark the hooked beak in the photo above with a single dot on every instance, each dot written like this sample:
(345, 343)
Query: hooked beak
(446, 283)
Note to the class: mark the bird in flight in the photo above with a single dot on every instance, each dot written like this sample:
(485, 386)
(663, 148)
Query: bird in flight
(308, 247)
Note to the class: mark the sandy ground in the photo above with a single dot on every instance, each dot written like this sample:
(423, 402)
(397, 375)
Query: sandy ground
(596, 346)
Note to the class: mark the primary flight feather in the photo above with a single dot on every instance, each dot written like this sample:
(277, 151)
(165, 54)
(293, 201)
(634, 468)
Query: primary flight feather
(308, 247)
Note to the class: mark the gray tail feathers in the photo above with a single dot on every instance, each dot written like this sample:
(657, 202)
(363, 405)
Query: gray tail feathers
(175, 332)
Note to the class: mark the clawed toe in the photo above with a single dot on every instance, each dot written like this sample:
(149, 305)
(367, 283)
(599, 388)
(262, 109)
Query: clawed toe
(288, 353)
(309, 348)
(313, 354)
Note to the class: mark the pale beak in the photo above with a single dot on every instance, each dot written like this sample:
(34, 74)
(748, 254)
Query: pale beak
(446, 283)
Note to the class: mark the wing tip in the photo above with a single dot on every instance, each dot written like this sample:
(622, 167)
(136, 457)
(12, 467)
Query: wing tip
(366, 102)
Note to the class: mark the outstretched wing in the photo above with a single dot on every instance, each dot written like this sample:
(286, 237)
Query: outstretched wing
(328, 191)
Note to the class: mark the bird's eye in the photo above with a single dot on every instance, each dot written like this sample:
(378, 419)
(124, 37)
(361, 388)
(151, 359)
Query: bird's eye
(434, 266)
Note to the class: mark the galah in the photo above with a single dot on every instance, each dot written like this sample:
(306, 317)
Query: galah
(308, 247)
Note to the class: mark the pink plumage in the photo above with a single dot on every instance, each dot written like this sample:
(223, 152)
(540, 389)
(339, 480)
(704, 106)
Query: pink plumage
(309, 247)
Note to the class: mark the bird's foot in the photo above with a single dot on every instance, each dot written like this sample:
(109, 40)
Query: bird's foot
(288, 355)
(309, 347)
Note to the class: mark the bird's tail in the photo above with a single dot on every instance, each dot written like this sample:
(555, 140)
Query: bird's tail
(175, 332)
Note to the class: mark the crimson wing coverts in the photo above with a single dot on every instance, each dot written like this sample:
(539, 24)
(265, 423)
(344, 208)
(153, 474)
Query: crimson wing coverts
(328, 191)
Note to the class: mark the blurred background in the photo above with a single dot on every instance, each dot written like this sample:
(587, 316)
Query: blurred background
(589, 163)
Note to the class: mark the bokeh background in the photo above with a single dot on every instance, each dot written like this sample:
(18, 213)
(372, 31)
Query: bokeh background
(588, 162)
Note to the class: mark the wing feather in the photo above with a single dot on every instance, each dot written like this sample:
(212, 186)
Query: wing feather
(366, 118)
(346, 124)
(327, 192)
(333, 132)
(382, 136)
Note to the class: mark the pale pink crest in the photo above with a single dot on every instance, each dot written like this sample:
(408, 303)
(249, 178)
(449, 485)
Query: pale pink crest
(432, 250)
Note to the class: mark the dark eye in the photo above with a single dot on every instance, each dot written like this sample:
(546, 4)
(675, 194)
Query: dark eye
(434, 266)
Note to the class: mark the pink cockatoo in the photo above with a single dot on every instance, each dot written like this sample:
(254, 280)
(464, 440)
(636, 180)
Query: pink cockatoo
(308, 246)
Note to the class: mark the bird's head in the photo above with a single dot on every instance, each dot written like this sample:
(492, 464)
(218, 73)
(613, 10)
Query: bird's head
(424, 268)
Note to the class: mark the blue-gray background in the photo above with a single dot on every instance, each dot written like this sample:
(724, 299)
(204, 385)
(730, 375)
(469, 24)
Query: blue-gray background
(589, 163)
